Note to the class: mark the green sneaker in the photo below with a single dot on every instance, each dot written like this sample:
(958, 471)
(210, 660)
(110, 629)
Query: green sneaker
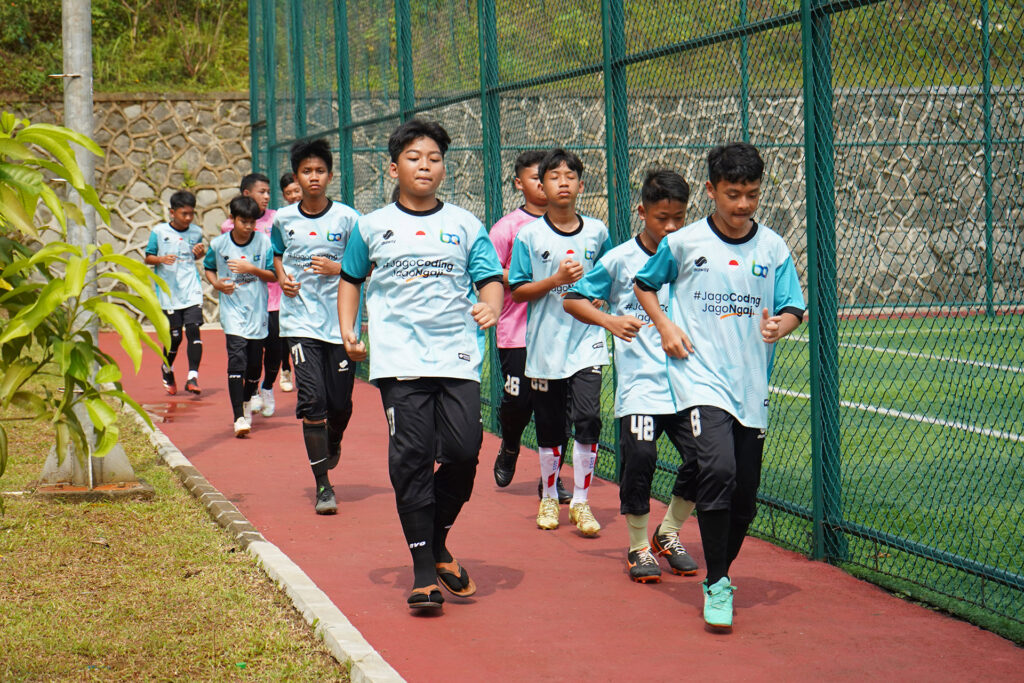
(718, 603)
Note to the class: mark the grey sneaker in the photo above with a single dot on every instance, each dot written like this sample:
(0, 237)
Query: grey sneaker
(325, 504)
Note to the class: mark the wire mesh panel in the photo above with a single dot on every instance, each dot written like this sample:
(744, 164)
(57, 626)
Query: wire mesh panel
(891, 133)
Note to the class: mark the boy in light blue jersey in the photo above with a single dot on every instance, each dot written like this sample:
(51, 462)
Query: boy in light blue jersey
(734, 292)
(563, 356)
(424, 258)
(643, 400)
(238, 265)
(309, 241)
(172, 250)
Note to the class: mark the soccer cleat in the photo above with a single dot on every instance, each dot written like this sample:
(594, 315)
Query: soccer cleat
(679, 561)
(564, 495)
(718, 603)
(325, 503)
(267, 396)
(547, 515)
(168, 378)
(192, 386)
(286, 381)
(256, 403)
(643, 568)
(505, 466)
(241, 428)
(583, 518)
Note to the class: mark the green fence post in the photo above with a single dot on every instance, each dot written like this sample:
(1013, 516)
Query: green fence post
(744, 76)
(298, 52)
(403, 39)
(254, 109)
(616, 118)
(345, 165)
(490, 118)
(270, 69)
(986, 70)
(819, 150)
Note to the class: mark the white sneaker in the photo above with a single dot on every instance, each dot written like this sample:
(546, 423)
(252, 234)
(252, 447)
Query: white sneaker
(268, 402)
(241, 428)
(247, 413)
(256, 402)
(286, 381)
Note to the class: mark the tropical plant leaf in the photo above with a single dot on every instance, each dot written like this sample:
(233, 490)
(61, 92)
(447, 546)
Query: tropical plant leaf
(125, 398)
(108, 373)
(126, 326)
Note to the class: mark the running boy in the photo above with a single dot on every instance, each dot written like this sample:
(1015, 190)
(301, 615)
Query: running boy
(563, 356)
(173, 249)
(257, 186)
(238, 266)
(516, 402)
(309, 240)
(426, 258)
(643, 399)
(734, 290)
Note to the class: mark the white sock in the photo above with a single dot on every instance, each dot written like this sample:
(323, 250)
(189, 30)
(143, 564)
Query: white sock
(584, 457)
(193, 374)
(549, 470)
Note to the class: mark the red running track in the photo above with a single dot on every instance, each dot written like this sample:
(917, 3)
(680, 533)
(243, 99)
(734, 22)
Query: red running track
(551, 605)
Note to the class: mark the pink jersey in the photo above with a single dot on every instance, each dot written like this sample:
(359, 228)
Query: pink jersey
(512, 321)
(263, 224)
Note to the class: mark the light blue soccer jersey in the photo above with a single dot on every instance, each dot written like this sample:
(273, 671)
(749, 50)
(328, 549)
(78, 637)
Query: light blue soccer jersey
(641, 382)
(297, 237)
(557, 345)
(181, 277)
(420, 294)
(243, 313)
(717, 287)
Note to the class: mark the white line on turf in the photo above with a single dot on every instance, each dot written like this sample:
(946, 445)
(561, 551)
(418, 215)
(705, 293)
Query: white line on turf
(915, 417)
(934, 330)
(925, 356)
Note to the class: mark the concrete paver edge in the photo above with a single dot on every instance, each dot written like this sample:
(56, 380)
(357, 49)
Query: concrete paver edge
(344, 640)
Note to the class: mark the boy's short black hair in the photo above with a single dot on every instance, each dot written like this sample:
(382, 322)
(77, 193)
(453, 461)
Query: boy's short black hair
(183, 198)
(286, 180)
(413, 129)
(735, 162)
(663, 183)
(531, 157)
(251, 179)
(554, 158)
(244, 207)
(308, 149)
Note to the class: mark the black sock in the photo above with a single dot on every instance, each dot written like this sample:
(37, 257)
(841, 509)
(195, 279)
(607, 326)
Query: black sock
(315, 436)
(335, 430)
(418, 526)
(714, 536)
(737, 532)
(194, 350)
(453, 485)
(251, 385)
(172, 352)
(236, 391)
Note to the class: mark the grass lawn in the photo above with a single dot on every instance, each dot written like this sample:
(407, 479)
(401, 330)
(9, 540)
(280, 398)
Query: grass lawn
(136, 590)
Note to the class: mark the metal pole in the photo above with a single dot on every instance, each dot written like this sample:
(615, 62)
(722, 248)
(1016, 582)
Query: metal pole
(616, 118)
(298, 56)
(986, 70)
(403, 40)
(270, 69)
(254, 100)
(345, 162)
(744, 76)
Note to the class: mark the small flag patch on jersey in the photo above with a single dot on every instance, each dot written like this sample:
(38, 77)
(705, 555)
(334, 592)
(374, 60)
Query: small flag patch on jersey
(570, 253)
(312, 234)
(420, 233)
(734, 263)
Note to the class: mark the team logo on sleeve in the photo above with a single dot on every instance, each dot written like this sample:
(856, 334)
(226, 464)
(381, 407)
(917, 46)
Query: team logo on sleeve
(334, 236)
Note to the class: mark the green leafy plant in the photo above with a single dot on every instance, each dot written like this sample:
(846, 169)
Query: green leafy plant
(46, 302)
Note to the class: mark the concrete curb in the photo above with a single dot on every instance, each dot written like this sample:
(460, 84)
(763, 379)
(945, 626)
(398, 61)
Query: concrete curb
(343, 640)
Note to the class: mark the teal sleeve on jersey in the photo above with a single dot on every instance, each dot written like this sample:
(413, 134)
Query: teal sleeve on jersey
(597, 284)
(153, 246)
(483, 259)
(660, 269)
(269, 260)
(210, 261)
(276, 241)
(520, 269)
(606, 247)
(787, 288)
(356, 262)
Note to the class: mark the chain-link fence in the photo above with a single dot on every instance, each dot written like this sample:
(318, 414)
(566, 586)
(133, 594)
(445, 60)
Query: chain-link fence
(895, 172)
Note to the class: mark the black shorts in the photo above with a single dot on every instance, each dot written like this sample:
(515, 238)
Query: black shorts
(516, 387)
(638, 448)
(179, 317)
(325, 376)
(244, 356)
(728, 457)
(430, 419)
(565, 406)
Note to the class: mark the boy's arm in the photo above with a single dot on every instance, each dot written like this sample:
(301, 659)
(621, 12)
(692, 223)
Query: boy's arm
(486, 311)
(152, 256)
(788, 304)
(520, 275)
(355, 266)
(775, 327)
(659, 270)
(597, 285)
(222, 286)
